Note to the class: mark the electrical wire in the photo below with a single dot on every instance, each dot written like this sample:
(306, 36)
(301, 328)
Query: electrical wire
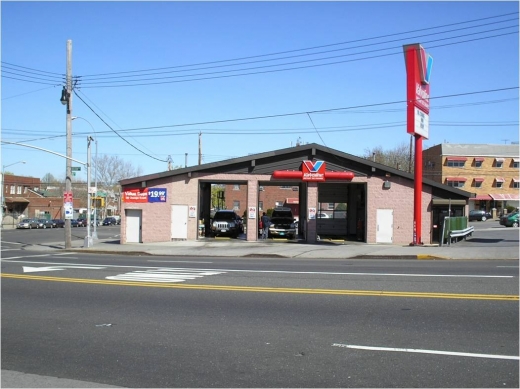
(314, 47)
(95, 113)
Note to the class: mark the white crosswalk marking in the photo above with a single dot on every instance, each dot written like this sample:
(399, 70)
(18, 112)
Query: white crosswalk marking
(163, 275)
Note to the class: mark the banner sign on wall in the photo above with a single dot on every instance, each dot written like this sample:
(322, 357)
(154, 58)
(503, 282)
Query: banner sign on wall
(145, 195)
(312, 171)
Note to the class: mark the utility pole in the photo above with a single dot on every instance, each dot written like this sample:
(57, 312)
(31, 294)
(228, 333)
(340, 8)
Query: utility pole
(68, 174)
(88, 238)
(200, 148)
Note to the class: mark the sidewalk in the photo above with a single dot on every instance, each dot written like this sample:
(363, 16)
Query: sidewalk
(287, 249)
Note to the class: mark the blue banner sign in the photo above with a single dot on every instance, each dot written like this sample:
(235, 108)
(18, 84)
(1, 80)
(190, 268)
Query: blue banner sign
(156, 195)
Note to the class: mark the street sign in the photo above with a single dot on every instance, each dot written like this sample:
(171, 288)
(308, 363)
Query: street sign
(76, 168)
(67, 197)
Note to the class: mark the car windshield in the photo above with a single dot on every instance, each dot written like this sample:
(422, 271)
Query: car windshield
(26, 220)
(282, 214)
(225, 216)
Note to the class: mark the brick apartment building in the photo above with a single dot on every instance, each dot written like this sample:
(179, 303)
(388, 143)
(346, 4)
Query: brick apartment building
(489, 171)
(25, 196)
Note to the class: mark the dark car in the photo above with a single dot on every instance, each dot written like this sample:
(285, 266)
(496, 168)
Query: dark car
(58, 223)
(282, 223)
(44, 223)
(78, 223)
(110, 221)
(479, 215)
(510, 220)
(226, 223)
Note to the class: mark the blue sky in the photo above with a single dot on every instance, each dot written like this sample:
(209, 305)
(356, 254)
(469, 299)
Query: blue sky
(127, 40)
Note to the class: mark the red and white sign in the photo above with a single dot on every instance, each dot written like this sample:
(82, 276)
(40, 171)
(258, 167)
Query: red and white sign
(312, 171)
(67, 197)
(135, 195)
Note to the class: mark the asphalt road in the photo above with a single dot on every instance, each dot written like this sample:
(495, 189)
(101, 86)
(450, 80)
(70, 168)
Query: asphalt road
(174, 322)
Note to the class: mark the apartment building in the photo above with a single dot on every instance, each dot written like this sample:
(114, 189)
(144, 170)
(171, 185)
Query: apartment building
(489, 171)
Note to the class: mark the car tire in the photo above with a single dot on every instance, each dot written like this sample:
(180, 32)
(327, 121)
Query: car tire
(483, 218)
(515, 224)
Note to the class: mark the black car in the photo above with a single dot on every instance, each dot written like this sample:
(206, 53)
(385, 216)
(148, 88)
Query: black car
(226, 223)
(110, 221)
(479, 215)
(58, 223)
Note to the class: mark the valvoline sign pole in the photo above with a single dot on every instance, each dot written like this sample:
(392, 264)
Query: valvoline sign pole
(418, 70)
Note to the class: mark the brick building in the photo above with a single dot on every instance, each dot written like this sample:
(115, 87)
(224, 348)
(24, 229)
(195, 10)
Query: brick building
(25, 196)
(489, 171)
(364, 200)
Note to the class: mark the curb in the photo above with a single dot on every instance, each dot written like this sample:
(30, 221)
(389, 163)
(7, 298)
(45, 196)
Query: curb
(418, 256)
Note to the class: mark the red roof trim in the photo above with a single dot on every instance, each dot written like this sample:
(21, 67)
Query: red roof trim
(456, 159)
(480, 159)
(456, 179)
(479, 179)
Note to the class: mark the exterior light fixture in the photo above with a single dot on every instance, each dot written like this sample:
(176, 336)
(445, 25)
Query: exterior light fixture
(64, 96)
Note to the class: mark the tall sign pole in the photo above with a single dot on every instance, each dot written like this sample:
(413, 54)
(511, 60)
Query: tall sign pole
(418, 70)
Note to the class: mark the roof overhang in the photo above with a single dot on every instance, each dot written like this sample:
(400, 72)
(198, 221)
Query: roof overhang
(504, 196)
(448, 202)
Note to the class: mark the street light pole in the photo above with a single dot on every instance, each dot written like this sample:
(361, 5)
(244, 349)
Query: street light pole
(3, 189)
(88, 238)
(94, 234)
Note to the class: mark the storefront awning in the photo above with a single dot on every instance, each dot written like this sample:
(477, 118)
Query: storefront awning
(292, 200)
(516, 159)
(499, 159)
(456, 179)
(16, 200)
(456, 159)
(448, 202)
(484, 197)
(516, 179)
(500, 179)
(505, 196)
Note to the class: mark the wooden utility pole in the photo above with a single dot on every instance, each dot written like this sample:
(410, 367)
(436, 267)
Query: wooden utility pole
(200, 148)
(68, 175)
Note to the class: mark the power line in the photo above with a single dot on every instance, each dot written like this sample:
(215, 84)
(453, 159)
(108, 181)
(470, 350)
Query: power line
(312, 48)
(95, 113)
(118, 83)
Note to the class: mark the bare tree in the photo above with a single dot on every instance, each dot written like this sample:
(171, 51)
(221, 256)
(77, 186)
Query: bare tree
(398, 157)
(111, 169)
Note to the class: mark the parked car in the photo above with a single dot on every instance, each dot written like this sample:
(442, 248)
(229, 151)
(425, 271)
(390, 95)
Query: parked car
(75, 223)
(282, 223)
(28, 224)
(478, 214)
(510, 220)
(226, 223)
(44, 223)
(58, 223)
(109, 221)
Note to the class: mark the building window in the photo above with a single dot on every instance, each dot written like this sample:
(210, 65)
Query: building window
(478, 164)
(278, 203)
(12, 189)
(331, 206)
(236, 187)
(24, 189)
(515, 164)
(260, 205)
(456, 184)
(286, 187)
(261, 188)
(455, 163)
(19, 190)
(499, 162)
(500, 184)
(516, 184)
(478, 184)
(236, 205)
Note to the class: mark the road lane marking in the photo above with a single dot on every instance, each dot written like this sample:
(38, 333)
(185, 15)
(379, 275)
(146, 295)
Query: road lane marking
(412, 350)
(156, 260)
(272, 271)
(13, 242)
(233, 288)
(163, 275)
(28, 269)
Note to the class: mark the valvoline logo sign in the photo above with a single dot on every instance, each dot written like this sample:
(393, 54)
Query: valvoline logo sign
(425, 66)
(313, 171)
